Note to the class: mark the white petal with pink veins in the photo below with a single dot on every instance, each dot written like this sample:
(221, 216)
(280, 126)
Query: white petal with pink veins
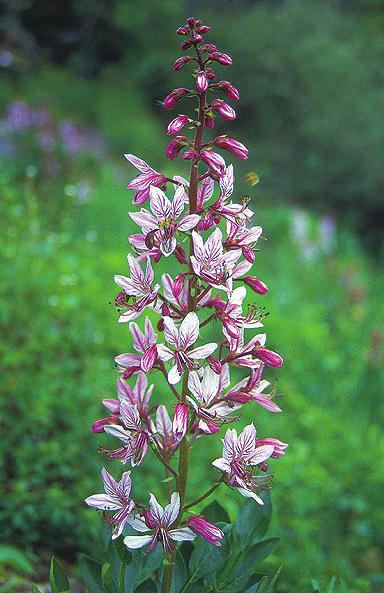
(202, 351)
(222, 464)
(182, 534)
(189, 330)
(160, 205)
(178, 203)
(139, 164)
(188, 222)
(170, 331)
(137, 541)
(172, 509)
(164, 352)
(174, 375)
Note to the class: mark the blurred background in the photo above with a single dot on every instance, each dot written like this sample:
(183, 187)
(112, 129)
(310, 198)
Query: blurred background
(80, 85)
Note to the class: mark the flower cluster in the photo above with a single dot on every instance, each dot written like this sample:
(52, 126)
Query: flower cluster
(211, 242)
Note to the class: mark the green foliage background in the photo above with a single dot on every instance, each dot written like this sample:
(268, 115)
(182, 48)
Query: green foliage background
(311, 110)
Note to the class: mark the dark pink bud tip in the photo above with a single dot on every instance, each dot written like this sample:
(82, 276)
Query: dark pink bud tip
(180, 421)
(223, 59)
(203, 30)
(239, 397)
(174, 146)
(223, 109)
(181, 62)
(177, 124)
(215, 364)
(256, 284)
(98, 426)
(180, 255)
(201, 82)
(191, 21)
(186, 44)
(210, 532)
(173, 98)
(130, 371)
(182, 31)
(270, 358)
(229, 89)
(233, 146)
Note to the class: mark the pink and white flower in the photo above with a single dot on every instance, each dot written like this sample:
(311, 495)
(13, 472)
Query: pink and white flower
(232, 317)
(210, 532)
(176, 292)
(212, 264)
(163, 432)
(206, 389)
(142, 183)
(160, 225)
(116, 498)
(240, 455)
(182, 340)
(138, 290)
(145, 345)
(158, 521)
(131, 433)
(244, 238)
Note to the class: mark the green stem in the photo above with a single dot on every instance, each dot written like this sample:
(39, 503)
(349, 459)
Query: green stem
(122, 577)
(204, 496)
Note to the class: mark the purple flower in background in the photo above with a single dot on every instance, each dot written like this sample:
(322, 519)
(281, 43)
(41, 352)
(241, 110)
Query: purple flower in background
(73, 141)
(158, 521)
(116, 498)
(19, 116)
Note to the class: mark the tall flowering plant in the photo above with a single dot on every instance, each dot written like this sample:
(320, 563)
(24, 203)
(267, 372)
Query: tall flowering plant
(208, 238)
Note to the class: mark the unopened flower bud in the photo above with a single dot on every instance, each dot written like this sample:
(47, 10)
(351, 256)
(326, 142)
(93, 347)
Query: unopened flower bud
(215, 364)
(191, 21)
(189, 155)
(263, 466)
(149, 358)
(160, 325)
(182, 31)
(209, 120)
(165, 310)
(174, 97)
(130, 371)
(239, 397)
(174, 146)
(186, 44)
(180, 255)
(217, 303)
(214, 161)
(224, 109)
(198, 23)
(203, 30)
(229, 89)
(256, 284)
(181, 62)
(149, 520)
(210, 73)
(177, 124)
(196, 39)
(211, 533)
(248, 253)
(180, 421)
(271, 358)
(201, 82)
(233, 146)
(178, 285)
(211, 47)
(218, 56)
(278, 446)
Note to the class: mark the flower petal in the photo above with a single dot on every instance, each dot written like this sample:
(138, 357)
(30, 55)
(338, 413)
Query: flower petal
(137, 541)
(182, 534)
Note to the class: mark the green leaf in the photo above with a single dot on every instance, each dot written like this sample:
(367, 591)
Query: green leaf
(274, 579)
(15, 559)
(262, 549)
(179, 574)
(146, 564)
(107, 579)
(57, 578)
(35, 589)
(91, 572)
(207, 560)
(121, 550)
(147, 586)
(215, 513)
(253, 521)
(259, 586)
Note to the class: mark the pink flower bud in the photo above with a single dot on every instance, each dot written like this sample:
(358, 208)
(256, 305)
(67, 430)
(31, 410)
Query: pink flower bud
(198, 23)
(165, 310)
(256, 284)
(180, 255)
(214, 161)
(186, 44)
(218, 56)
(177, 124)
(223, 109)
(201, 82)
(182, 31)
(229, 89)
(178, 285)
(203, 30)
(98, 426)
(149, 520)
(197, 39)
(130, 371)
(173, 98)
(233, 146)
(279, 446)
(215, 364)
(189, 155)
(209, 121)
(191, 21)
(180, 421)
(160, 325)
(174, 146)
(239, 397)
(272, 359)
(217, 303)
(211, 533)
(148, 359)
(248, 253)
(181, 62)
(210, 73)
(211, 47)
